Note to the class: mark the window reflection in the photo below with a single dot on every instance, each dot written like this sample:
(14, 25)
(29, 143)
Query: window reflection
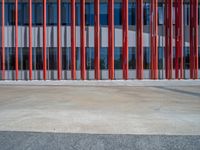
(89, 14)
(118, 13)
(103, 14)
(146, 13)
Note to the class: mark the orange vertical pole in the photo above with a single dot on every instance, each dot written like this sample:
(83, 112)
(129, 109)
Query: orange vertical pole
(111, 39)
(139, 34)
(44, 40)
(59, 72)
(30, 39)
(168, 39)
(179, 39)
(154, 39)
(83, 54)
(97, 39)
(2, 40)
(73, 40)
(16, 39)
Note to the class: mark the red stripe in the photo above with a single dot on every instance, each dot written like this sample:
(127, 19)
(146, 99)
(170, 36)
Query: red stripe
(44, 40)
(2, 41)
(59, 41)
(83, 54)
(139, 62)
(97, 40)
(154, 39)
(30, 39)
(73, 40)
(16, 39)
(111, 39)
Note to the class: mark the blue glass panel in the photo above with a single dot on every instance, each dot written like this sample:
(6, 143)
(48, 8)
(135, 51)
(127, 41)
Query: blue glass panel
(51, 13)
(132, 57)
(132, 13)
(66, 13)
(118, 58)
(118, 13)
(37, 13)
(89, 14)
(78, 9)
(9, 14)
(161, 14)
(146, 58)
(103, 13)
(146, 14)
(90, 58)
(104, 58)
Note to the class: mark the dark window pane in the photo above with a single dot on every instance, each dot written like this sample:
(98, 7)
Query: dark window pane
(90, 58)
(10, 58)
(118, 58)
(160, 57)
(78, 13)
(146, 14)
(89, 14)
(52, 58)
(104, 58)
(186, 57)
(104, 14)
(78, 59)
(9, 13)
(65, 13)
(23, 59)
(118, 13)
(132, 58)
(160, 14)
(132, 13)
(146, 58)
(51, 13)
(37, 13)
(66, 58)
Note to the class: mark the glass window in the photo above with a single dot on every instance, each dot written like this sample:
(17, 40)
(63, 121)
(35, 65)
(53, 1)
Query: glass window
(0, 14)
(51, 13)
(89, 13)
(37, 58)
(9, 14)
(10, 58)
(103, 13)
(186, 13)
(132, 13)
(118, 58)
(78, 58)
(147, 58)
(118, 13)
(186, 58)
(23, 58)
(66, 13)
(161, 14)
(146, 13)
(0, 58)
(132, 57)
(104, 58)
(90, 58)
(66, 58)
(78, 9)
(52, 58)
(160, 58)
(23, 14)
(37, 13)
(199, 14)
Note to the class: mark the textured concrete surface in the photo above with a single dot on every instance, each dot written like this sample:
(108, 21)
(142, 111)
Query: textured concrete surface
(63, 141)
(158, 110)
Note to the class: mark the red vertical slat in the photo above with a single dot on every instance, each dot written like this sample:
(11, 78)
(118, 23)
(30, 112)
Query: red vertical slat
(154, 39)
(196, 67)
(83, 54)
(30, 39)
(168, 39)
(139, 34)
(73, 40)
(16, 39)
(2, 40)
(44, 40)
(97, 39)
(111, 39)
(59, 40)
(194, 39)
(179, 39)
(125, 39)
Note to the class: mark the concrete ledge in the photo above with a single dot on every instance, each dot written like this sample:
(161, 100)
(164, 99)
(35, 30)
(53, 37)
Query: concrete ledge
(165, 83)
(69, 141)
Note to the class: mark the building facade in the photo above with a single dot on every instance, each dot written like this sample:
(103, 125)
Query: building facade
(99, 39)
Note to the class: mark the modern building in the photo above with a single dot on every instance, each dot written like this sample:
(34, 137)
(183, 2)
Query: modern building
(99, 39)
